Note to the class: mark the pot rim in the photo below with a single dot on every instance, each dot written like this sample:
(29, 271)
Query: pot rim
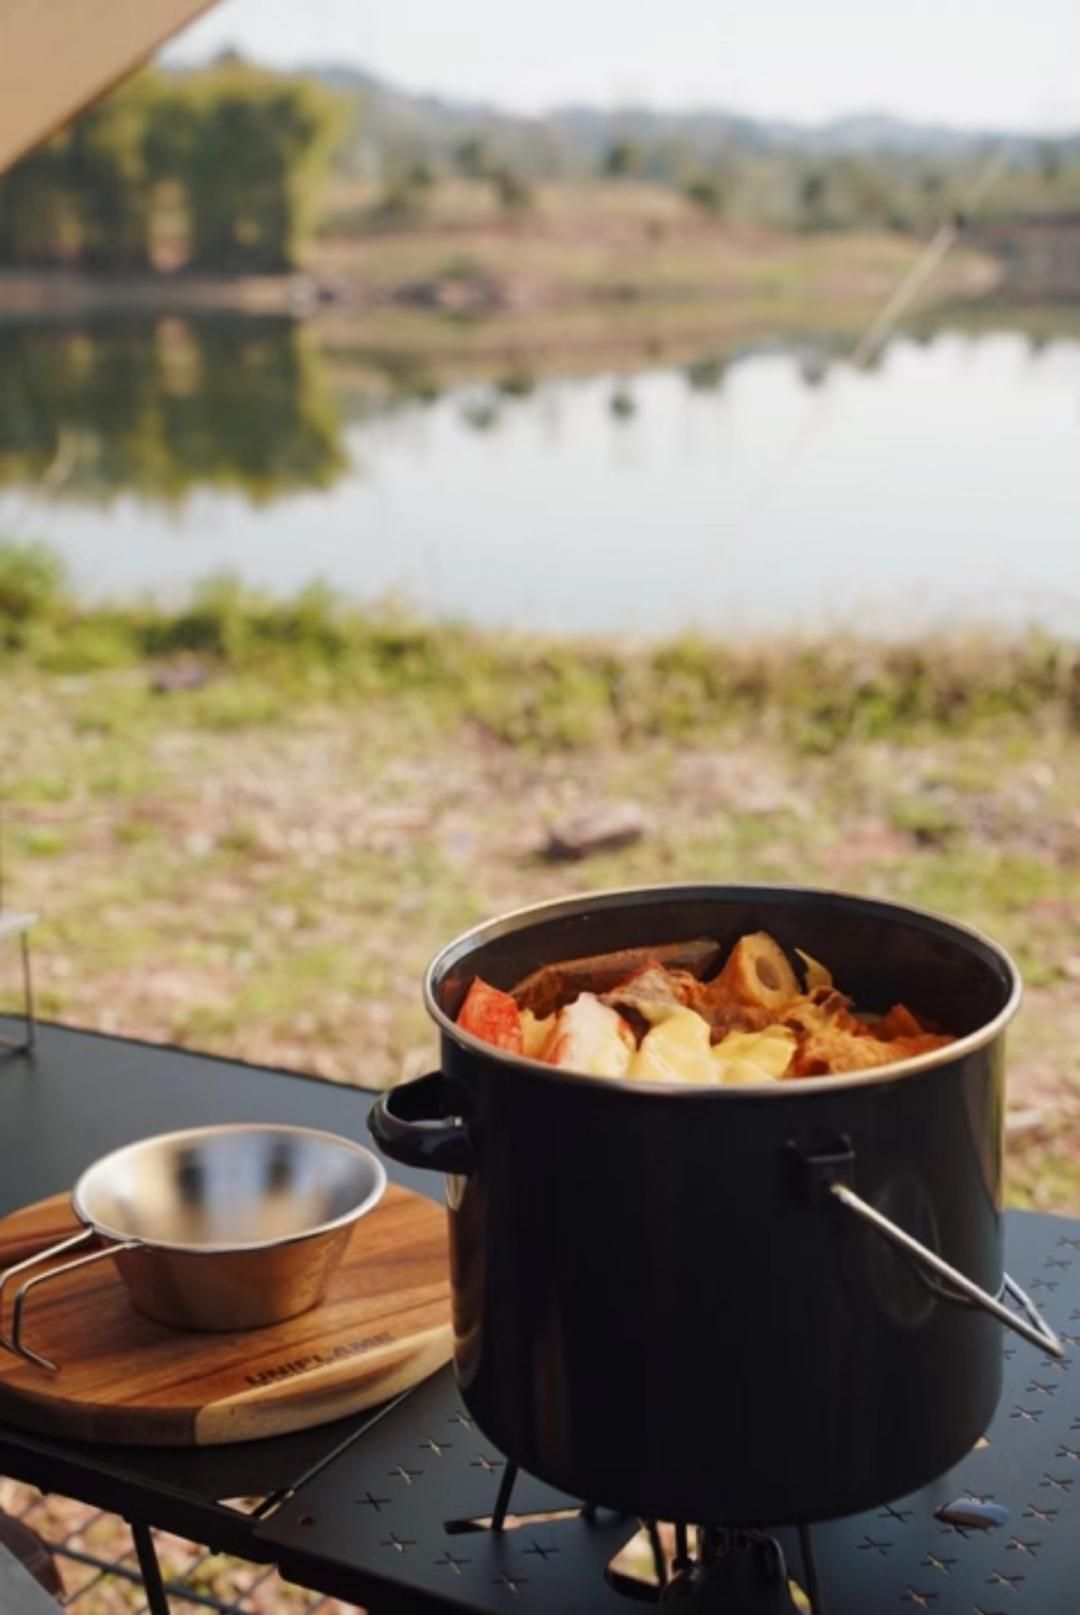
(231, 1247)
(623, 896)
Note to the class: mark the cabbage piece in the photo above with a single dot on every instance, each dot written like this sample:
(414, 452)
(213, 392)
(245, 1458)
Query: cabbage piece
(677, 1049)
(743, 1057)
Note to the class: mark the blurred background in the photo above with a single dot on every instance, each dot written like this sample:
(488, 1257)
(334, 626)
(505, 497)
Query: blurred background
(451, 457)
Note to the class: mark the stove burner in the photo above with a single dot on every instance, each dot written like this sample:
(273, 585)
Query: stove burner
(733, 1572)
(740, 1572)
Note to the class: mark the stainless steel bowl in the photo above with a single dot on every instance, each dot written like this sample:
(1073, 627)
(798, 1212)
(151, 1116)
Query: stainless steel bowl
(229, 1227)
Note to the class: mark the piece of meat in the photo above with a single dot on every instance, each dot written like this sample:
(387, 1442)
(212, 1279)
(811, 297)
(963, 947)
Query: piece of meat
(827, 1006)
(653, 991)
(552, 986)
(833, 1041)
(725, 1018)
(830, 1052)
(492, 1016)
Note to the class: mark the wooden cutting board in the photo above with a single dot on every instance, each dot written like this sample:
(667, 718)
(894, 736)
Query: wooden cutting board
(383, 1326)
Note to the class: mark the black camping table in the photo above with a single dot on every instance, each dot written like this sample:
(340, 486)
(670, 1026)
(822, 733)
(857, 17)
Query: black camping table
(394, 1509)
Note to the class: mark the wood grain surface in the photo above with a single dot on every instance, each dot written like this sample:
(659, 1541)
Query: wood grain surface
(383, 1326)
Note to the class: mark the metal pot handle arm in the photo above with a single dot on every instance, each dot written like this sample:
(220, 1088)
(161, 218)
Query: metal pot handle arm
(16, 1343)
(417, 1123)
(1033, 1328)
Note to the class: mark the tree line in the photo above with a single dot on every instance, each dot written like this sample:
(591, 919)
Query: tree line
(783, 188)
(218, 169)
(221, 169)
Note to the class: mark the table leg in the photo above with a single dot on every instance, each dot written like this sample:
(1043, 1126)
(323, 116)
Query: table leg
(156, 1600)
(24, 1044)
(28, 993)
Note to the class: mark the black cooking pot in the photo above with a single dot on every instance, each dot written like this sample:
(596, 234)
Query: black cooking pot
(727, 1305)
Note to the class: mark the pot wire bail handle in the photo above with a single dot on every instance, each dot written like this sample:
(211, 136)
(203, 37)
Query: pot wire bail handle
(14, 1342)
(1034, 1328)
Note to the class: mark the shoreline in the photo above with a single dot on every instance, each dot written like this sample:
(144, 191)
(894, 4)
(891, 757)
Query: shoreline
(546, 690)
(474, 274)
(47, 294)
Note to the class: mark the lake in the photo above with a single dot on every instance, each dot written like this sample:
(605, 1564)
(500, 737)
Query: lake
(771, 491)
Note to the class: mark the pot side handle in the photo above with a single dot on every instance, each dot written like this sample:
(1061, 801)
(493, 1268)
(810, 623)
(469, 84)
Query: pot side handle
(418, 1124)
(1033, 1327)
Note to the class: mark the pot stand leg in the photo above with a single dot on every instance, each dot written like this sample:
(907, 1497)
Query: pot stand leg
(810, 1571)
(659, 1559)
(502, 1501)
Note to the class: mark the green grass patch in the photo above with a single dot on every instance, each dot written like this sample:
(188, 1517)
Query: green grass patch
(258, 657)
(41, 841)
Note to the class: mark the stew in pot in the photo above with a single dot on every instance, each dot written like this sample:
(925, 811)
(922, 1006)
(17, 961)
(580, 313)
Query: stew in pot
(668, 1014)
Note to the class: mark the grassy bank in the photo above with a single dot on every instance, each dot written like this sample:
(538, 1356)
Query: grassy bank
(262, 864)
(533, 691)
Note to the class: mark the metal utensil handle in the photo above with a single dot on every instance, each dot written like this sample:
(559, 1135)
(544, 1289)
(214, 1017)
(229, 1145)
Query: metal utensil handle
(1034, 1329)
(16, 1343)
(68, 1244)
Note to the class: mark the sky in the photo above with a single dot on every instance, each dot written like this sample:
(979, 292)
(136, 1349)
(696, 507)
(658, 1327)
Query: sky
(1001, 64)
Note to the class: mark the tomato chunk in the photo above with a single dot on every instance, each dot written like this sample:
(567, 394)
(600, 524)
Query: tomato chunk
(491, 1015)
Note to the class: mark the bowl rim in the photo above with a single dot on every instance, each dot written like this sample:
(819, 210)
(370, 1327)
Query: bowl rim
(227, 1247)
(624, 896)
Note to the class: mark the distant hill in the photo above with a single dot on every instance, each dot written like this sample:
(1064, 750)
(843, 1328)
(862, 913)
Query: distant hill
(571, 139)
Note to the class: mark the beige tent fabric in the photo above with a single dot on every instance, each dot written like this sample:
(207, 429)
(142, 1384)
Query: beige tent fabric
(56, 56)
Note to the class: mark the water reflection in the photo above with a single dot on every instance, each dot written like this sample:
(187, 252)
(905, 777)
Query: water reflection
(160, 407)
(758, 488)
(622, 404)
(481, 414)
(706, 375)
(519, 382)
